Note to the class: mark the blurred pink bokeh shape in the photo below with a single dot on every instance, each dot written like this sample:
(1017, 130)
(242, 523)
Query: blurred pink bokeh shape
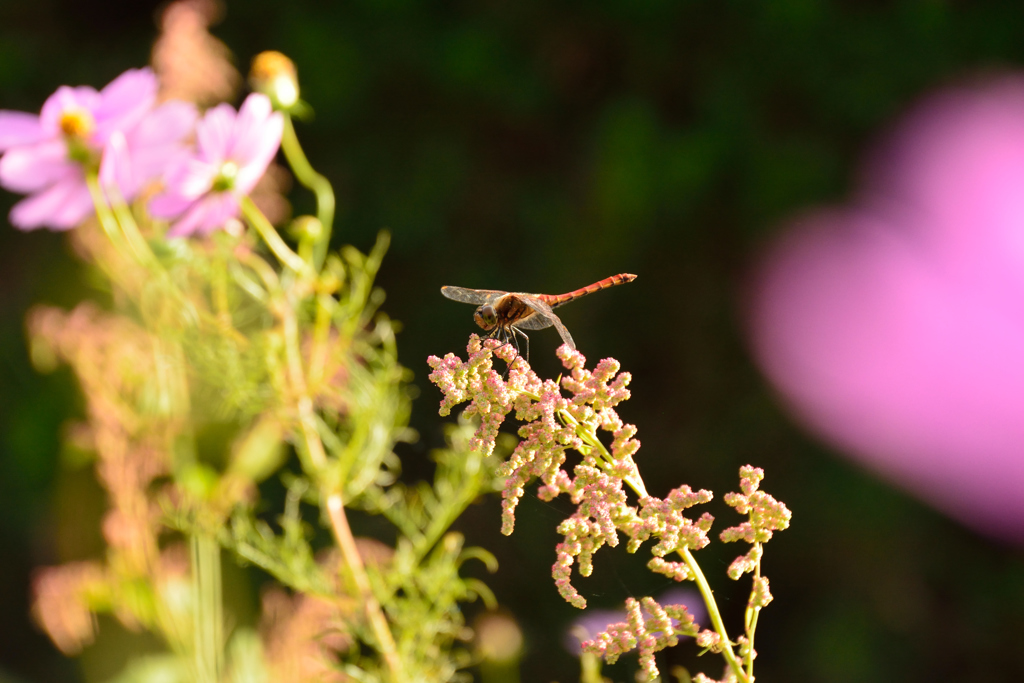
(894, 327)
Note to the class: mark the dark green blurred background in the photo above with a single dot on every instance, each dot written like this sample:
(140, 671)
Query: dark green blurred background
(540, 146)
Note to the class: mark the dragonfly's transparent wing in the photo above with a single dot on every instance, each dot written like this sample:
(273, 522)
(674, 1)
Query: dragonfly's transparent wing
(471, 296)
(536, 321)
(542, 318)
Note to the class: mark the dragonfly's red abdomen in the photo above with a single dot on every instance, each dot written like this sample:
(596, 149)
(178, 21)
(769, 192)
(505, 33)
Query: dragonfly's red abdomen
(559, 299)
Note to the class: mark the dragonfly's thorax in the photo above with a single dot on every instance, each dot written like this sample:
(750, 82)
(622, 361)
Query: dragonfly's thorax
(503, 312)
(511, 309)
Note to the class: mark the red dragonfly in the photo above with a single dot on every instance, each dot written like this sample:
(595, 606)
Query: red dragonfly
(504, 315)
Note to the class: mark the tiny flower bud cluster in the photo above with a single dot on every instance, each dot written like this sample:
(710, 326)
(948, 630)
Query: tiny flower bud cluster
(653, 633)
(490, 397)
(765, 516)
(760, 595)
(709, 640)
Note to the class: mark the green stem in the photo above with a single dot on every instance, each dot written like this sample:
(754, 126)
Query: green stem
(207, 616)
(713, 613)
(266, 230)
(219, 289)
(750, 618)
(750, 643)
(129, 227)
(321, 336)
(590, 668)
(315, 182)
(103, 212)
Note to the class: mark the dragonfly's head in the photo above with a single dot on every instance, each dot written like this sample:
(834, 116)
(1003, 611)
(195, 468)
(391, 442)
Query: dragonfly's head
(486, 318)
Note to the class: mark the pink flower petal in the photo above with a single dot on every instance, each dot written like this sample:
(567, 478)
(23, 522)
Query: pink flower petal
(206, 215)
(28, 169)
(881, 355)
(249, 128)
(124, 101)
(61, 206)
(196, 179)
(970, 184)
(191, 221)
(116, 172)
(156, 143)
(137, 143)
(223, 207)
(261, 150)
(77, 207)
(18, 128)
(167, 124)
(213, 134)
(169, 205)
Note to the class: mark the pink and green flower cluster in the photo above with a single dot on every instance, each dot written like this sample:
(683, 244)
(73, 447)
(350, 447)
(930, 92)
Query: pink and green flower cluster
(551, 425)
(660, 628)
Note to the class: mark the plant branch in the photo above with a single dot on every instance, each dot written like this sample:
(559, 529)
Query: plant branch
(714, 614)
(315, 182)
(273, 240)
(352, 562)
(361, 582)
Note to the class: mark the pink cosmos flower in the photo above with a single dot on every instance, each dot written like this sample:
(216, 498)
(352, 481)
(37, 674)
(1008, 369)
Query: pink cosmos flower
(115, 132)
(232, 153)
(894, 327)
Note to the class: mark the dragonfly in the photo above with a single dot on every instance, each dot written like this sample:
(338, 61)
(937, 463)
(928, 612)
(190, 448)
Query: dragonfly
(504, 315)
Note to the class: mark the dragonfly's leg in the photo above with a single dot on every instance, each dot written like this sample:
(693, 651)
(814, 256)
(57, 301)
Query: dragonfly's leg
(504, 339)
(501, 334)
(513, 339)
(526, 343)
(498, 333)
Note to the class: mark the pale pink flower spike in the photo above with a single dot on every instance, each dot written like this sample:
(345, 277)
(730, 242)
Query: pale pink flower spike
(597, 485)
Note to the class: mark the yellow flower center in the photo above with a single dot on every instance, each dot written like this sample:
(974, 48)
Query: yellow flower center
(77, 123)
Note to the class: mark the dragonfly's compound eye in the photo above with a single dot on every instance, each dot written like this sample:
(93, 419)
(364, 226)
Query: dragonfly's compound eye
(485, 317)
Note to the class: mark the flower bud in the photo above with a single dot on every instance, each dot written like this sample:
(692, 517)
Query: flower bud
(306, 228)
(274, 75)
